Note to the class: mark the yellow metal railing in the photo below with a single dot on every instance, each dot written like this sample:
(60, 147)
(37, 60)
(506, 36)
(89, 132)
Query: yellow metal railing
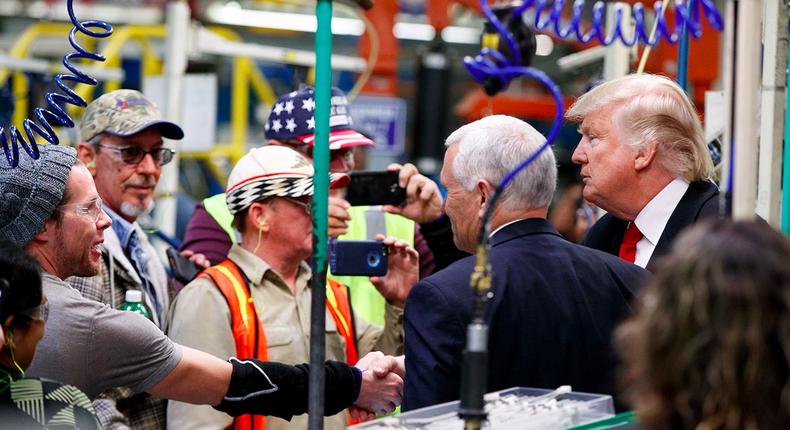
(246, 75)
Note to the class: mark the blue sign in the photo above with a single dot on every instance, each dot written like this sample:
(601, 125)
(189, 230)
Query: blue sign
(384, 120)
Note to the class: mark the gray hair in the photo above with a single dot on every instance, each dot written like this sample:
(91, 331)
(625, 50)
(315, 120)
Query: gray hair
(491, 147)
(652, 109)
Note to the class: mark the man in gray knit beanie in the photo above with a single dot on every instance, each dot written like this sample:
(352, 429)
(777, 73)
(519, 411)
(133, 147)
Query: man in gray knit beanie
(30, 192)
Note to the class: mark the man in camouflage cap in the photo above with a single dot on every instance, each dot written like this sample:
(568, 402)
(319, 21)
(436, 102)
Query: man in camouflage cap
(122, 145)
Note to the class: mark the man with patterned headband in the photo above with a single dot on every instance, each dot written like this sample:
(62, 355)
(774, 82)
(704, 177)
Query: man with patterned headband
(121, 143)
(256, 303)
(291, 123)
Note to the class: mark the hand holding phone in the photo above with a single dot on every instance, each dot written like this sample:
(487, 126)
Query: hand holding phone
(358, 257)
(375, 188)
(393, 265)
(184, 270)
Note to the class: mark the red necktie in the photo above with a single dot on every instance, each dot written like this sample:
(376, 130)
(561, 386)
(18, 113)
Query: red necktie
(628, 247)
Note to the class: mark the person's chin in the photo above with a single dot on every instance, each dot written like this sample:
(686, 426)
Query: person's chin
(136, 208)
(88, 271)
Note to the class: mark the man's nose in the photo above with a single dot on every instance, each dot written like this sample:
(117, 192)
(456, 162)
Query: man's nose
(579, 155)
(148, 165)
(103, 221)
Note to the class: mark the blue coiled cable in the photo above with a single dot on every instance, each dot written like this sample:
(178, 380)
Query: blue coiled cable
(56, 114)
(554, 90)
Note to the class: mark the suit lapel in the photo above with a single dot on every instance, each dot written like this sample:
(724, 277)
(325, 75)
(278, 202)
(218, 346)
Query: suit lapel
(686, 213)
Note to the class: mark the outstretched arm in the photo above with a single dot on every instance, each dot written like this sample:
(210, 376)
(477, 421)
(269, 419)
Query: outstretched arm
(251, 386)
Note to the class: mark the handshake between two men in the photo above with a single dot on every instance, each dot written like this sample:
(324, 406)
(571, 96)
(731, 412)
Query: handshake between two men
(373, 386)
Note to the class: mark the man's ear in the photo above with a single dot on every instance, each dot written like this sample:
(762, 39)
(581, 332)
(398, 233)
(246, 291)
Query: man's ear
(87, 154)
(644, 156)
(45, 234)
(257, 216)
(484, 191)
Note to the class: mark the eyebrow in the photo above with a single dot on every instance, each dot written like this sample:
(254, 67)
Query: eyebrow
(137, 143)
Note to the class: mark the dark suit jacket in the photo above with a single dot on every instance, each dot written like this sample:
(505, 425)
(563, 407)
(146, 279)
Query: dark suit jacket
(701, 200)
(554, 306)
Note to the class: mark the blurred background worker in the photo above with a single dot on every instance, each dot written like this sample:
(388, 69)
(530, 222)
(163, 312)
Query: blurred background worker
(270, 194)
(122, 145)
(291, 124)
(31, 403)
(709, 345)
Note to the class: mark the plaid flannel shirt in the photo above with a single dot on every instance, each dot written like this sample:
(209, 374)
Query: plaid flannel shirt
(120, 408)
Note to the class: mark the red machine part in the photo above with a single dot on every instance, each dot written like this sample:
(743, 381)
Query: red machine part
(703, 63)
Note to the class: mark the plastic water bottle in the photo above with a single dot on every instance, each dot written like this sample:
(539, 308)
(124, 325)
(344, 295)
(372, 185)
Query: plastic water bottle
(134, 303)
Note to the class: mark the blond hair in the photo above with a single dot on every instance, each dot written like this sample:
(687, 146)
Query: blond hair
(651, 109)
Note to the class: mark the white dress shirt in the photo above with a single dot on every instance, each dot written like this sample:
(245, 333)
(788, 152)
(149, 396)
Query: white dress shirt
(654, 217)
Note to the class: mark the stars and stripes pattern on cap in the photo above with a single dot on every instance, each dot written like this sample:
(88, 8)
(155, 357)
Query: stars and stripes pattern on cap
(292, 117)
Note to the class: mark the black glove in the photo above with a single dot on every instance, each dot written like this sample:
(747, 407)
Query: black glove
(276, 389)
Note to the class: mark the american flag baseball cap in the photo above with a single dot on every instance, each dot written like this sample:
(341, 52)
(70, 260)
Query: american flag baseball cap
(292, 118)
(273, 171)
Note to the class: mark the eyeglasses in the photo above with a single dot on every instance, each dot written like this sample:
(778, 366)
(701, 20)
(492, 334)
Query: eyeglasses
(347, 154)
(38, 313)
(90, 210)
(134, 155)
(307, 206)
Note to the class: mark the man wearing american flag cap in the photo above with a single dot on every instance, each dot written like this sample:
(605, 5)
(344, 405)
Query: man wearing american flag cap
(291, 123)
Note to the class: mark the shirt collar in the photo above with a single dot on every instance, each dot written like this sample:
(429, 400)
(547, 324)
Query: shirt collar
(654, 216)
(123, 229)
(503, 226)
(257, 269)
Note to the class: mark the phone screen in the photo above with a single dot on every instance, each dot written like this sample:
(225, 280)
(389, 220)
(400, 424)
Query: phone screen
(375, 188)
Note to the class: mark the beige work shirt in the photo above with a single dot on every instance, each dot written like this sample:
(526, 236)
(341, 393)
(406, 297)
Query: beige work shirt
(200, 318)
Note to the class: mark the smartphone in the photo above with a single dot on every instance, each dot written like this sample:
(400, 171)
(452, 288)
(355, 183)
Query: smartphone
(375, 188)
(358, 257)
(184, 271)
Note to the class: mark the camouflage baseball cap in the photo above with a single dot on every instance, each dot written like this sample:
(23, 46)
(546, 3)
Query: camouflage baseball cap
(124, 113)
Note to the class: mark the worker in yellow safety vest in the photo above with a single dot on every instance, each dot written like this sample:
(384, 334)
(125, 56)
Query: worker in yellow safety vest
(256, 303)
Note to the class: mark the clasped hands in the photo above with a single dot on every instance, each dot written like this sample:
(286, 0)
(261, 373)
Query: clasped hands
(382, 385)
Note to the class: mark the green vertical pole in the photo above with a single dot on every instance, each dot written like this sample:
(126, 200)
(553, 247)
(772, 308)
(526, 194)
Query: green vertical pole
(323, 93)
(785, 222)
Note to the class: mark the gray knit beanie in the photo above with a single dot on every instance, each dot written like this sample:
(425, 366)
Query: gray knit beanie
(30, 192)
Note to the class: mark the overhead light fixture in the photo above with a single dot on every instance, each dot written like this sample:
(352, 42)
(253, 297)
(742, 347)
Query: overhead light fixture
(233, 14)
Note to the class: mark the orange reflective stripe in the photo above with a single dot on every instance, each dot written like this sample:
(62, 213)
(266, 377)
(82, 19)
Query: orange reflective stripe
(331, 302)
(241, 294)
(340, 308)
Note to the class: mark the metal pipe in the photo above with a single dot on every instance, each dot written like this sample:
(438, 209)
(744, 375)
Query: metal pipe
(747, 87)
(786, 176)
(683, 55)
(175, 68)
(728, 86)
(774, 84)
(617, 56)
(323, 93)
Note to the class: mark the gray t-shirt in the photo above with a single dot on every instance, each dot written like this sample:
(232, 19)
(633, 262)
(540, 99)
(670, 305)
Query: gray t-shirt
(94, 347)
